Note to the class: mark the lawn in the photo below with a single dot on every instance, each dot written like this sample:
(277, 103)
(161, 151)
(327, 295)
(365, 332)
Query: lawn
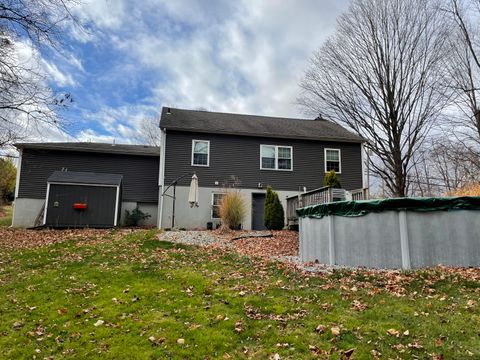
(6, 215)
(126, 295)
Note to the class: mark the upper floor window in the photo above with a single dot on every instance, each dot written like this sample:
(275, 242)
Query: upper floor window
(200, 152)
(333, 160)
(275, 157)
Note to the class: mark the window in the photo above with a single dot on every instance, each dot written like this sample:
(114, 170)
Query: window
(216, 200)
(274, 157)
(333, 160)
(200, 152)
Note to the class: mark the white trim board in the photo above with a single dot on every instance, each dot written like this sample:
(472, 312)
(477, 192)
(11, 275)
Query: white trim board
(115, 220)
(161, 179)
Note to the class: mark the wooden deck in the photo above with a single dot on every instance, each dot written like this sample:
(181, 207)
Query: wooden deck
(319, 196)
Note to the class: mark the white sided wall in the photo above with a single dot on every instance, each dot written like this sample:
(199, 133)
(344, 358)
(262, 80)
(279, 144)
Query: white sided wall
(197, 218)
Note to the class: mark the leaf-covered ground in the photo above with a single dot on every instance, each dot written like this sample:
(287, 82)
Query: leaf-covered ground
(126, 295)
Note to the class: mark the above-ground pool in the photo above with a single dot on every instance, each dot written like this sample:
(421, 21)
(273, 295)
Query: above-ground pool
(392, 233)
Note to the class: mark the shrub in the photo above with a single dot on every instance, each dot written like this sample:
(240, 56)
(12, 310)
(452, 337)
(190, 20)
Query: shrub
(273, 216)
(134, 217)
(331, 179)
(232, 210)
(467, 190)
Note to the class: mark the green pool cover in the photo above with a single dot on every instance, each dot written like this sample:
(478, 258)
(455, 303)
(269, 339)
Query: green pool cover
(364, 207)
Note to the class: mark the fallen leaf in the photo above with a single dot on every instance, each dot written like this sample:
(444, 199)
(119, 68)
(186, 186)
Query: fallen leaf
(320, 329)
(348, 353)
(17, 325)
(99, 323)
(335, 330)
(62, 311)
(393, 332)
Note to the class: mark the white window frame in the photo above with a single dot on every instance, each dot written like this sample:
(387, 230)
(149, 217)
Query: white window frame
(276, 157)
(208, 152)
(213, 197)
(339, 159)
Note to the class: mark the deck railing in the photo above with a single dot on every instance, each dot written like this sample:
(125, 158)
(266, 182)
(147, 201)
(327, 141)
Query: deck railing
(359, 194)
(319, 196)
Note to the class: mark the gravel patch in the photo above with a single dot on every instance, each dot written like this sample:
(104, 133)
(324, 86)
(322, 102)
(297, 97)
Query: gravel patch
(200, 238)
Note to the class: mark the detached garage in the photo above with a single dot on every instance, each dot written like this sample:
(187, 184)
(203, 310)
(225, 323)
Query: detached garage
(88, 174)
(82, 199)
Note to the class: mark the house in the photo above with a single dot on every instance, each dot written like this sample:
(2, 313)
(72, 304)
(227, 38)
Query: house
(85, 167)
(291, 155)
(92, 184)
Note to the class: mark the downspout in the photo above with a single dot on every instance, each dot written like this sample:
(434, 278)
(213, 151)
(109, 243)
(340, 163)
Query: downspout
(17, 184)
(161, 178)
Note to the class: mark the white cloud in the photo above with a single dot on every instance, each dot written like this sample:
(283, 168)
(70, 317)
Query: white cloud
(244, 56)
(56, 75)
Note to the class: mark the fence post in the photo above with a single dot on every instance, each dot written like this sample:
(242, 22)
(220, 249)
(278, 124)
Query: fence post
(331, 241)
(404, 245)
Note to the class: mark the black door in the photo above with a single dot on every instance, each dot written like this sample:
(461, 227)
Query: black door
(258, 208)
(100, 202)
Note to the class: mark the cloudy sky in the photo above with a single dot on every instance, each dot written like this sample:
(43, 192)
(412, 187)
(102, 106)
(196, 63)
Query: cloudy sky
(137, 56)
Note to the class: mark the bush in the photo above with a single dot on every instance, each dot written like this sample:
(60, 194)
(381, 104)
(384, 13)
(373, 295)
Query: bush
(331, 179)
(273, 217)
(232, 210)
(134, 217)
(467, 190)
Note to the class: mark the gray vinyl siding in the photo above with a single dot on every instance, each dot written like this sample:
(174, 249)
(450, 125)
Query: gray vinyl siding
(240, 156)
(140, 173)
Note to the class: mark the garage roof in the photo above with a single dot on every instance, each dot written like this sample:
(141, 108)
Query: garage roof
(143, 150)
(75, 177)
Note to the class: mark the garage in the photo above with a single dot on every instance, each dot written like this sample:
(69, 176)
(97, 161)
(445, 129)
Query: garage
(82, 199)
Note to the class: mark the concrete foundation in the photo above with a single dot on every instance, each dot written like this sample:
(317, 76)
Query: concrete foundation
(147, 208)
(393, 239)
(197, 218)
(25, 211)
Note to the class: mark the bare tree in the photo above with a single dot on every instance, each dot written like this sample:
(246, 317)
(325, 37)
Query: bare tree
(464, 70)
(443, 165)
(381, 74)
(25, 99)
(149, 132)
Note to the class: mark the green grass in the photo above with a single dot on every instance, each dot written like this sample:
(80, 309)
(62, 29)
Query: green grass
(6, 215)
(143, 288)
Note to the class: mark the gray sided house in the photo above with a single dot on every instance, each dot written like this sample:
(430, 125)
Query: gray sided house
(291, 155)
(84, 184)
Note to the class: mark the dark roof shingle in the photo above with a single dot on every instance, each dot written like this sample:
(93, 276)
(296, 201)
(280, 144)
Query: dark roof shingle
(254, 125)
(123, 149)
(80, 177)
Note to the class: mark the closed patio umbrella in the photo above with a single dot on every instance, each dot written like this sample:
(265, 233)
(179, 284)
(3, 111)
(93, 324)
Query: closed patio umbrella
(193, 193)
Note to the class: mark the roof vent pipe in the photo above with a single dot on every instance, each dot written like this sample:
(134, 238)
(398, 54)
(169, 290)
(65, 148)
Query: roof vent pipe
(168, 110)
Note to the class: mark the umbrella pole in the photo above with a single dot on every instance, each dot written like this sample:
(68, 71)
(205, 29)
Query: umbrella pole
(173, 208)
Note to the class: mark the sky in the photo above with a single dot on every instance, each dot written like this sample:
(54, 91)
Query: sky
(133, 57)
